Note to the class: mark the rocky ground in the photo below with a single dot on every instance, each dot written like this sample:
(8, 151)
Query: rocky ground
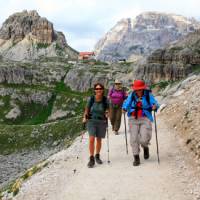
(67, 176)
(182, 112)
(15, 165)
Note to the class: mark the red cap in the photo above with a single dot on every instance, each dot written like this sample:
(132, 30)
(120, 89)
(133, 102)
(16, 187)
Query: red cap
(139, 85)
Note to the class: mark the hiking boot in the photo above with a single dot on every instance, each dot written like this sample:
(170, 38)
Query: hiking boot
(91, 163)
(116, 133)
(98, 160)
(136, 161)
(146, 153)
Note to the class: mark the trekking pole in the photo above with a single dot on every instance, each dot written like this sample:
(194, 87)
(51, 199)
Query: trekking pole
(125, 133)
(108, 142)
(83, 132)
(156, 137)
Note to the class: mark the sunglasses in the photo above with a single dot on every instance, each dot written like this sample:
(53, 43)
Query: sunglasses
(98, 89)
(117, 83)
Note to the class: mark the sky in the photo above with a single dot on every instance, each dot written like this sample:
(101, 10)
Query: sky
(84, 22)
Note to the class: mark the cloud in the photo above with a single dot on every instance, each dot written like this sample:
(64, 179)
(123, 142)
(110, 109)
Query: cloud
(86, 21)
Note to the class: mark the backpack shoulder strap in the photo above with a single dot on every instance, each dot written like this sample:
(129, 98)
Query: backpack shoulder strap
(91, 101)
(148, 96)
(113, 89)
(133, 97)
(105, 102)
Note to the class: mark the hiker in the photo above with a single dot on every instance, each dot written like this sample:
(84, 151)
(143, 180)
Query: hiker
(139, 105)
(96, 114)
(116, 95)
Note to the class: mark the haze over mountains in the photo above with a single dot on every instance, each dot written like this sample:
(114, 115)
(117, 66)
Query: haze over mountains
(135, 38)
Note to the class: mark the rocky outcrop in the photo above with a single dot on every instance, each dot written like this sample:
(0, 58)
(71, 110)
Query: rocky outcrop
(182, 111)
(39, 72)
(135, 38)
(26, 36)
(26, 95)
(79, 80)
(174, 62)
(83, 77)
(13, 113)
(18, 25)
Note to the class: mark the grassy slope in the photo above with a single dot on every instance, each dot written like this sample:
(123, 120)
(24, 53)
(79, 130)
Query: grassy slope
(27, 131)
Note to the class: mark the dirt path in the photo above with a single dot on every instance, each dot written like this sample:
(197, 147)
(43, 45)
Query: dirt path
(68, 177)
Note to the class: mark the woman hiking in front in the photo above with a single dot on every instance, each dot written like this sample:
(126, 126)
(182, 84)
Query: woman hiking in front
(139, 105)
(96, 113)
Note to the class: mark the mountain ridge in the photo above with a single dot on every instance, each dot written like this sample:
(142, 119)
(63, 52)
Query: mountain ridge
(138, 37)
(27, 36)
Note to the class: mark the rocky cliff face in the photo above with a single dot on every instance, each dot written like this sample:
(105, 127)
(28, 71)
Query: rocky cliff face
(82, 77)
(181, 111)
(174, 62)
(135, 38)
(26, 35)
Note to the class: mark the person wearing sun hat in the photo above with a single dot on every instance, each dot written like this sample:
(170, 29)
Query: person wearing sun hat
(116, 95)
(139, 106)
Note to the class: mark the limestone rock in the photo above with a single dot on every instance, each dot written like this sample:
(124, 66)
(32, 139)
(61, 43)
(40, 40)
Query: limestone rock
(13, 113)
(59, 114)
(183, 111)
(133, 38)
(174, 62)
(27, 36)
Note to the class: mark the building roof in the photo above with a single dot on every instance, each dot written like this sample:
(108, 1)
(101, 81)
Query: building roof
(86, 53)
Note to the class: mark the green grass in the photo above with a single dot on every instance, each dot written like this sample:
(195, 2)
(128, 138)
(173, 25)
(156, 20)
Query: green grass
(27, 131)
(25, 86)
(162, 84)
(33, 113)
(98, 62)
(196, 69)
(62, 88)
(176, 48)
(18, 137)
(98, 70)
(126, 64)
(41, 45)
(58, 47)
(4, 109)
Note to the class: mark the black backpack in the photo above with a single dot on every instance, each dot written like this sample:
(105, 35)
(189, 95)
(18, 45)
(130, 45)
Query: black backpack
(92, 100)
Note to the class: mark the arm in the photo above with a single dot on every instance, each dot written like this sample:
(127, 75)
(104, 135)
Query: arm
(125, 94)
(86, 111)
(154, 103)
(110, 93)
(127, 103)
(107, 109)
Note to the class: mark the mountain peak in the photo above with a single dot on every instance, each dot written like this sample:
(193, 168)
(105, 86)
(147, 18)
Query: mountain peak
(138, 37)
(27, 34)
